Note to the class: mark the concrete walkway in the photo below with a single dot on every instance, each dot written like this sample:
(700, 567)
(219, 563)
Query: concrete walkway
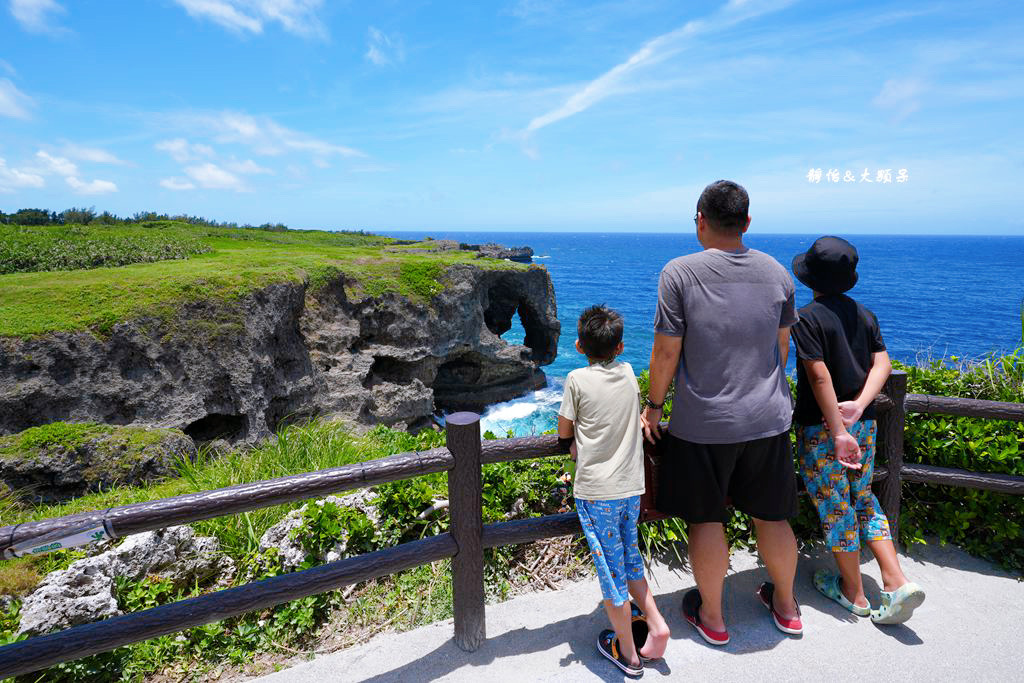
(970, 627)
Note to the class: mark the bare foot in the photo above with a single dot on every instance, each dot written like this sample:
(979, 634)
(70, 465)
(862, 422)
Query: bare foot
(657, 641)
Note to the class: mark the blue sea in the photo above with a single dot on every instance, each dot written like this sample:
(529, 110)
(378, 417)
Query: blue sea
(935, 296)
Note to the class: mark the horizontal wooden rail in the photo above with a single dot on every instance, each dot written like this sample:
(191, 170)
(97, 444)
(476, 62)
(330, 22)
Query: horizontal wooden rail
(948, 476)
(964, 407)
(100, 636)
(529, 530)
(193, 507)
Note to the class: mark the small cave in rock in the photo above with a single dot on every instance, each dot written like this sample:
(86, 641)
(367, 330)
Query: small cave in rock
(283, 411)
(397, 371)
(460, 372)
(217, 426)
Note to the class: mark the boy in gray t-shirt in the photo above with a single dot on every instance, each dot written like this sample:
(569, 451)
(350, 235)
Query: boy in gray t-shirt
(600, 418)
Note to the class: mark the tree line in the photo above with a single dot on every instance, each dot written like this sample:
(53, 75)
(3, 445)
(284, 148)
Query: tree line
(86, 216)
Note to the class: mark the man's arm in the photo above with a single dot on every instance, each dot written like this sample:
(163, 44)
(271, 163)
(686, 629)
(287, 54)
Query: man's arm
(847, 448)
(664, 362)
(881, 366)
(783, 346)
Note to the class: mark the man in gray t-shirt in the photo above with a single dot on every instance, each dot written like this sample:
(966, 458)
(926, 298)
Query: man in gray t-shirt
(722, 332)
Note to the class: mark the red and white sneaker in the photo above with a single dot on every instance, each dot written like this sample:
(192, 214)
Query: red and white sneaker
(793, 627)
(691, 610)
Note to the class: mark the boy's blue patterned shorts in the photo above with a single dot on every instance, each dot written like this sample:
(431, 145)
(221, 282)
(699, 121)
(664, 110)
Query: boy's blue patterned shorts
(610, 529)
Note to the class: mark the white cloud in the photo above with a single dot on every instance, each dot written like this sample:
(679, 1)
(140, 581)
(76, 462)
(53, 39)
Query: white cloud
(35, 15)
(57, 165)
(13, 102)
(181, 150)
(213, 177)
(6, 66)
(91, 154)
(248, 167)
(265, 136)
(250, 16)
(654, 51)
(177, 184)
(382, 49)
(92, 187)
(902, 96)
(13, 179)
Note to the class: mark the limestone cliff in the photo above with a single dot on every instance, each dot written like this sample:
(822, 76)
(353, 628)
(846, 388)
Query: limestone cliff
(237, 370)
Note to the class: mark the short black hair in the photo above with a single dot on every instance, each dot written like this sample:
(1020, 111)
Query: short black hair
(600, 332)
(724, 205)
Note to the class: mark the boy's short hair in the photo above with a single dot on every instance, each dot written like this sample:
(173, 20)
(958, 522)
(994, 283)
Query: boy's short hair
(600, 332)
(724, 205)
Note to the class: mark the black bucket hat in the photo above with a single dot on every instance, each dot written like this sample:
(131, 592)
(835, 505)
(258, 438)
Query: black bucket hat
(828, 267)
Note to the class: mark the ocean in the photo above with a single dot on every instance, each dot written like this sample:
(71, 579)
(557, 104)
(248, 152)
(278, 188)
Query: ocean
(935, 296)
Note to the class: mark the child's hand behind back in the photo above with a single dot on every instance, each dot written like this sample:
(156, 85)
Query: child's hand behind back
(847, 450)
(850, 412)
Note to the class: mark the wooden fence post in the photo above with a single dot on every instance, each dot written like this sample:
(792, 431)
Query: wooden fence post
(465, 511)
(891, 424)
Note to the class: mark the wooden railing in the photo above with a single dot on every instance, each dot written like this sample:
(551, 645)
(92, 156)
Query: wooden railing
(465, 542)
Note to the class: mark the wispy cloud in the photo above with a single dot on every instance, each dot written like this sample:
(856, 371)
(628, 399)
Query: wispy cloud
(213, 177)
(90, 187)
(382, 49)
(653, 52)
(247, 167)
(6, 66)
(12, 179)
(57, 165)
(93, 155)
(177, 184)
(49, 164)
(901, 95)
(181, 150)
(13, 102)
(36, 16)
(265, 136)
(250, 16)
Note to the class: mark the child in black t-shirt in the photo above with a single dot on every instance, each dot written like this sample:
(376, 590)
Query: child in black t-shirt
(841, 367)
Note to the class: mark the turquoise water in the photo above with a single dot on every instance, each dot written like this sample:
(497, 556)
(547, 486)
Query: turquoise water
(935, 296)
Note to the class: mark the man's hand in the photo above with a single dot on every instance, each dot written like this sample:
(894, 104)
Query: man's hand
(651, 419)
(847, 450)
(850, 412)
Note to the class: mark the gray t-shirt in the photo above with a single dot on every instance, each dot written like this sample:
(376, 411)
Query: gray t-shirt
(728, 308)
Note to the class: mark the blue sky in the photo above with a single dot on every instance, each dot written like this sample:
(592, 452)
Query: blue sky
(517, 114)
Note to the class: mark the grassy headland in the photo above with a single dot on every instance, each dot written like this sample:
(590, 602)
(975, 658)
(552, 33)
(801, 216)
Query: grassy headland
(205, 264)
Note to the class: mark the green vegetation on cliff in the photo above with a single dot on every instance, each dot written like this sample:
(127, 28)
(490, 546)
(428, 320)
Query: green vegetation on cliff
(199, 263)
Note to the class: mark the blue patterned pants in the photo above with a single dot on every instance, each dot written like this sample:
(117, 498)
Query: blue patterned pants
(610, 529)
(848, 511)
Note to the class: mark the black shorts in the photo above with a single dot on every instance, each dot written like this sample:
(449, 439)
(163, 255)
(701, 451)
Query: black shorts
(695, 479)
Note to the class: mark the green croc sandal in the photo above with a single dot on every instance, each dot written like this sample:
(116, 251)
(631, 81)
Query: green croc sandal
(827, 584)
(899, 605)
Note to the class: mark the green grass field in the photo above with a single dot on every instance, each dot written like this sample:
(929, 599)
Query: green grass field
(221, 264)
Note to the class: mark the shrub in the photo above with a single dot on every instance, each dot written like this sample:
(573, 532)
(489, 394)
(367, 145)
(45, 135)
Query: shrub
(75, 247)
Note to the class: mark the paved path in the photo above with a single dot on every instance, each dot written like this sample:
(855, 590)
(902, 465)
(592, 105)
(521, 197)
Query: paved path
(970, 627)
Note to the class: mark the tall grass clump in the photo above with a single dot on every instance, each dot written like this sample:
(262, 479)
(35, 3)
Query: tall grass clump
(26, 249)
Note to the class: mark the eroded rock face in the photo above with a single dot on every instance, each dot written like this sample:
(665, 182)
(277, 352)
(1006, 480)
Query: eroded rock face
(236, 371)
(50, 473)
(84, 592)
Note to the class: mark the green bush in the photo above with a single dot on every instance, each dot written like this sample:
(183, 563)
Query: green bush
(990, 525)
(74, 247)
